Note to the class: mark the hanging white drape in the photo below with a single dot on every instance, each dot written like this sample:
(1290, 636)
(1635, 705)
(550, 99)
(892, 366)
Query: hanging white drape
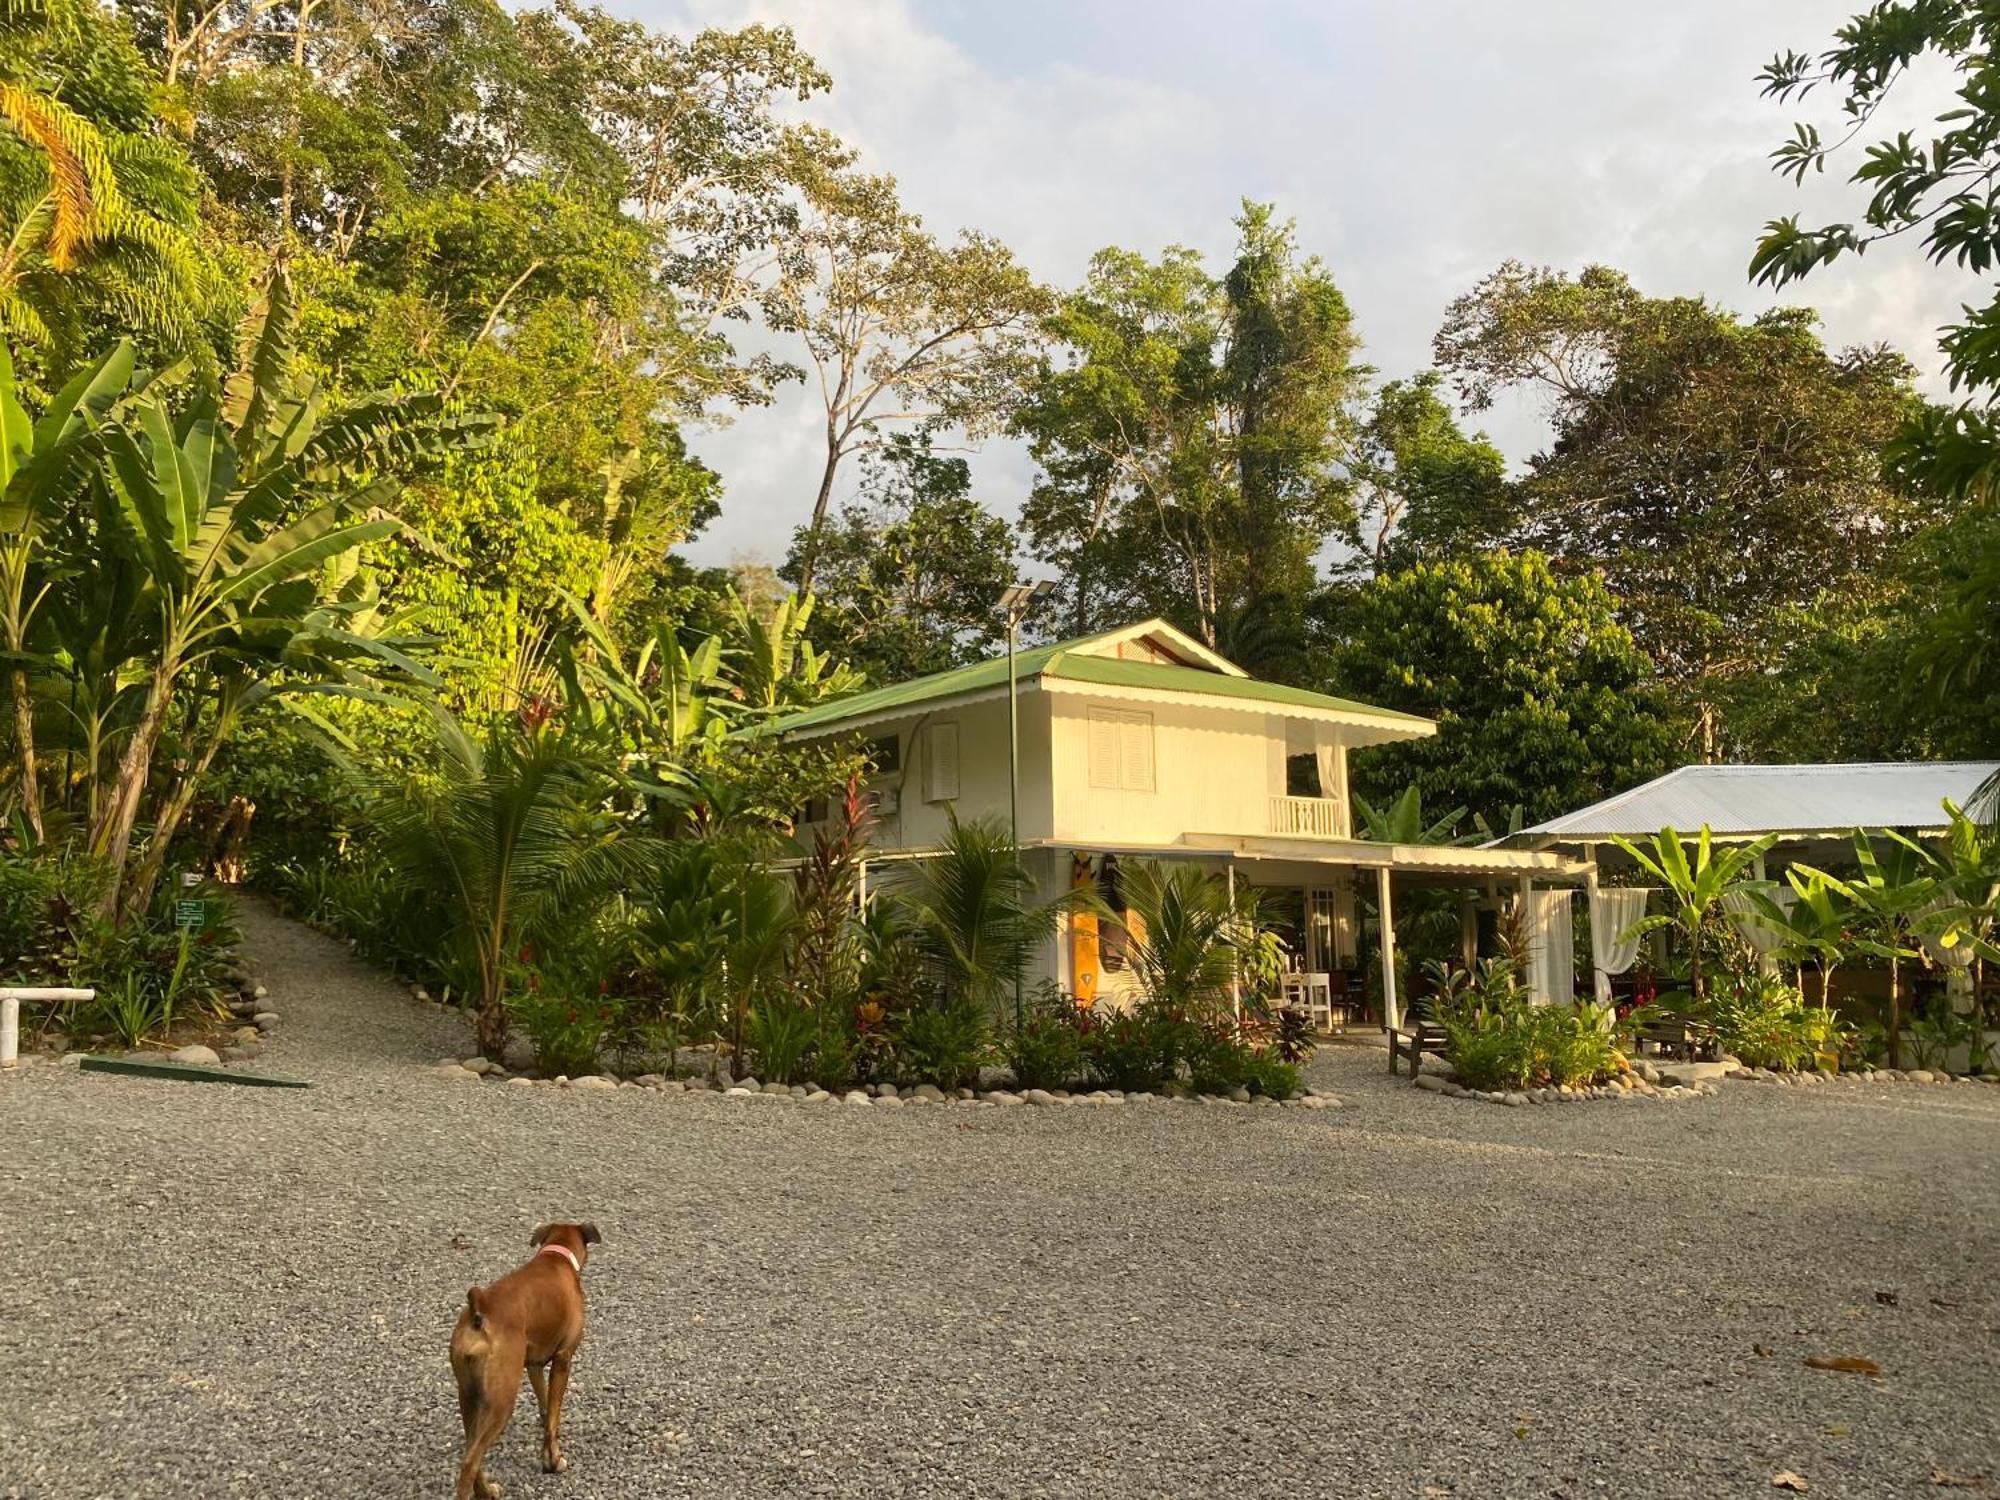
(1331, 783)
(1755, 928)
(1614, 910)
(1551, 946)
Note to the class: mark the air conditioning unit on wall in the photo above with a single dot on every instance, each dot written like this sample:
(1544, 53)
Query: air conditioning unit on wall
(885, 802)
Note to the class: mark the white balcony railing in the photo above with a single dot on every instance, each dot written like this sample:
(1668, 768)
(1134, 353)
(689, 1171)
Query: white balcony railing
(1316, 817)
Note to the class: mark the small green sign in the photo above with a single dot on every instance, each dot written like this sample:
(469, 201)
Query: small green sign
(191, 916)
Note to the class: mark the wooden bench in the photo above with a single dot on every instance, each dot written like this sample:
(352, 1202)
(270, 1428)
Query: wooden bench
(1412, 1039)
(1668, 1034)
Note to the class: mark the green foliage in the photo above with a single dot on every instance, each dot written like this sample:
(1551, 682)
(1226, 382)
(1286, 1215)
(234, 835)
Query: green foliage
(1541, 697)
(1189, 431)
(568, 1032)
(1138, 1050)
(1766, 1023)
(1046, 1050)
(945, 1043)
(1428, 492)
(1498, 1038)
(1717, 473)
(1698, 882)
(909, 576)
(781, 1037)
(508, 838)
(1186, 947)
(973, 914)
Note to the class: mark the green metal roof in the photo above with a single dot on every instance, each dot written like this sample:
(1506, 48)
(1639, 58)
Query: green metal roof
(1062, 660)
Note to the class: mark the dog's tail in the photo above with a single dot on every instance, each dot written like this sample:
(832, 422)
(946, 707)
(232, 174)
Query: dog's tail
(478, 1313)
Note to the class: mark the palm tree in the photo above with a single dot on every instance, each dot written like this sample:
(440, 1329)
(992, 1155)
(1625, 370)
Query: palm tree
(105, 218)
(1697, 885)
(974, 915)
(510, 835)
(1192, 941)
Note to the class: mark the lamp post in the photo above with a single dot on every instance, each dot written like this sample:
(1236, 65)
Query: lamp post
(1016, 602)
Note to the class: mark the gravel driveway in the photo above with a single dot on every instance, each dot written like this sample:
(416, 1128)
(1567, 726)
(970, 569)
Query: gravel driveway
(216, 1291)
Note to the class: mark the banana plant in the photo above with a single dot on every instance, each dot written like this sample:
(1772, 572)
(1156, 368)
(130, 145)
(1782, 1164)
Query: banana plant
(1813, 924)
(232, 511)
(43, 466)
(1403, 822)
(1696, 884)
(777, 667)
(1890, 896)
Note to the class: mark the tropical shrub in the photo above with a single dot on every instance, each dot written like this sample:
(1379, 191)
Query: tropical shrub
(1139, 1050)
(567, 1032)
(1217, 1061)
(1765, 1022)
(1046, 1050)
(1268, 1074)
(1498, 1038)
(944, 1044)
(781, 1036)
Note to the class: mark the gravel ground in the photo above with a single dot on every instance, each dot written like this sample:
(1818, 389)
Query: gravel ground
(216, 1291)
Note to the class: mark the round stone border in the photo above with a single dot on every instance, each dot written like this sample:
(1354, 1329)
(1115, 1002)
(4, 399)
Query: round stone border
(875, 1096)
(1862, 1075)
(1627, 1087)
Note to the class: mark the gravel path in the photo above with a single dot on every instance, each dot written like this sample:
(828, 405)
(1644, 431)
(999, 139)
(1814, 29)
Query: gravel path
(217, 1291)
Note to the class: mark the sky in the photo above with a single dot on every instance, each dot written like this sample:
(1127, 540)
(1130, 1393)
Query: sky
(1417, 143)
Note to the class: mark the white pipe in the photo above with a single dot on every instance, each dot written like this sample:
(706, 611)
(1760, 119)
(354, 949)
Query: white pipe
(10, 1016)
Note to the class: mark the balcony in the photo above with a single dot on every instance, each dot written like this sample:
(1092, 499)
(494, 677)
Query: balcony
(1309, 817)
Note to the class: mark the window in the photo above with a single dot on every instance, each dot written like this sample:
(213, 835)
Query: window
(1121, 750)
(885, 756)
(941, 763)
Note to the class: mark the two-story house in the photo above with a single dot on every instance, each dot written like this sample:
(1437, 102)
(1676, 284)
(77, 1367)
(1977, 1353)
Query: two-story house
(1141, 743)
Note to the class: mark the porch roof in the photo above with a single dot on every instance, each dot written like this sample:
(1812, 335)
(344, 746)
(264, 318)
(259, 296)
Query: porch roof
(1799, 801)
(1361, 854)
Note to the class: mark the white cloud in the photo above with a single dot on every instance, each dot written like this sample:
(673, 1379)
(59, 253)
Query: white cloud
(1417, 144)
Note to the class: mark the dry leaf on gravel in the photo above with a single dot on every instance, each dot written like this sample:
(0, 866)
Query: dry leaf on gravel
(1847, 1364)
(1785, 1479)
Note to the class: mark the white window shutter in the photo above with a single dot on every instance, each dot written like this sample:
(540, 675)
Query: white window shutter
(1121, 750)
(941, 763)
(1104, 751)
(1137, 753)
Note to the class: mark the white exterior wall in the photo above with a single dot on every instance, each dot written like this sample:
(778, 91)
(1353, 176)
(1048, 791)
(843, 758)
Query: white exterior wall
(1214, 771)
(982, 772)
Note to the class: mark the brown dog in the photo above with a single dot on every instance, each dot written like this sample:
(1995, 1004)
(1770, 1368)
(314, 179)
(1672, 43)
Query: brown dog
(529, 1319)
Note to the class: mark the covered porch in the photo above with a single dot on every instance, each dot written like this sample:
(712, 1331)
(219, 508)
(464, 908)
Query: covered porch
(1321, 885)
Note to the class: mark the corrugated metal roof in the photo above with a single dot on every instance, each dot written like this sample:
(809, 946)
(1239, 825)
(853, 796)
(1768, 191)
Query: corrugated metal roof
(1063, 660)
(1750, 800)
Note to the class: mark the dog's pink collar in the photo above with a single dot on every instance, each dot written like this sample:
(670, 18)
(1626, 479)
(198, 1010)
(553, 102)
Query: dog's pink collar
(567, 1254)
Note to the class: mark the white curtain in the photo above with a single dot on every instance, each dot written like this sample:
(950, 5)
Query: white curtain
(1755, 928)
(1551, 946)
(1614, 910)
(1327, 753)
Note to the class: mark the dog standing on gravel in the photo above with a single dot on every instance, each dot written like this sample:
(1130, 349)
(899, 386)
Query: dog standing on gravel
(532, 1319)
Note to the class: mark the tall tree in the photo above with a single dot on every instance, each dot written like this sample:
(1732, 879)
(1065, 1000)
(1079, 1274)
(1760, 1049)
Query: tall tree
(897, 326)
(1542, 700)
(910, 575)
(1191, 431)
(1717, 472)
(1939, 190)
(1426, 489)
